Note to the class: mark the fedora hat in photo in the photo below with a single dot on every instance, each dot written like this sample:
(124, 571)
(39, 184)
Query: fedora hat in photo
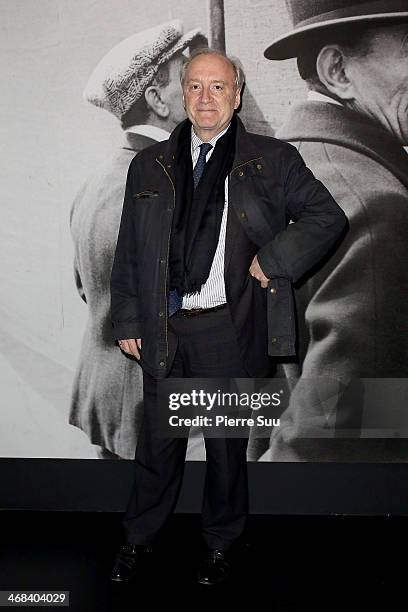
(312, 17)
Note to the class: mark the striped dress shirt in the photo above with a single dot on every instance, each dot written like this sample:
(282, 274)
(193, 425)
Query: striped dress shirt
(213, 291)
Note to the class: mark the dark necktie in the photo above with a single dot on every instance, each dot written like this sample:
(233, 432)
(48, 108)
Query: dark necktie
(175, 301)
(201, 161)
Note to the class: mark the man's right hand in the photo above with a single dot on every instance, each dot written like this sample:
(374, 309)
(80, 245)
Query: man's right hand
(131, 346)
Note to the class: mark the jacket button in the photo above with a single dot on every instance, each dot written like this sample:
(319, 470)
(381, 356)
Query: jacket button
(161, 314)
(162, 363)
(160, 156)
(242, 214)
(162, 260)
(273, 340)
(168, 166)
(273, 290)
(240, 173)
(259, 166)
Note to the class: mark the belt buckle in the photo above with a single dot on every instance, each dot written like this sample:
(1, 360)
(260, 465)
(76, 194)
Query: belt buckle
(192, 312)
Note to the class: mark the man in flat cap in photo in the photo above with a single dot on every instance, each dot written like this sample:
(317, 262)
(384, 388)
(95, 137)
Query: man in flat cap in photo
(138, 82)
(352, 132)
(200, 287)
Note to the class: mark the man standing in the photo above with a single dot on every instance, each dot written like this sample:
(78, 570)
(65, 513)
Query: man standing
(352, 311)
(138, 82)
(203, 238)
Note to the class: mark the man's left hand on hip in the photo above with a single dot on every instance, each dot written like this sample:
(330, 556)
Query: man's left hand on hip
(256, 271)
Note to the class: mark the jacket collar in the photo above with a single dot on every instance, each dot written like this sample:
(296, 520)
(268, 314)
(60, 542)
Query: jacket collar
(330, 123)
(245, 147)
(137, 142)
(245, 150)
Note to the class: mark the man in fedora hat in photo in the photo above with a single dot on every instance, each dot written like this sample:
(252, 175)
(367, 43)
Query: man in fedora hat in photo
(352, 312)
(138, 83)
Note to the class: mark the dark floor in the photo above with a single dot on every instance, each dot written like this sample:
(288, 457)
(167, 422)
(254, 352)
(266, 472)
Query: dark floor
(288, 563)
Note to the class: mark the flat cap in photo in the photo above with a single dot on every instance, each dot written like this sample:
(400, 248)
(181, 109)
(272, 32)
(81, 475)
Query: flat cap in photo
(123, 74)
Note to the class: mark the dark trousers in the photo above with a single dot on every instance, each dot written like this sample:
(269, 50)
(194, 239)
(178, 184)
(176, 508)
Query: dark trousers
(202, 346)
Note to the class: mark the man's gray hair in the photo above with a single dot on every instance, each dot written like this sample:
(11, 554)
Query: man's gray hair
(234, 61)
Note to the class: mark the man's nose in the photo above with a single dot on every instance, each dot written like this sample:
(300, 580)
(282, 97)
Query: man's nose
(206, 95)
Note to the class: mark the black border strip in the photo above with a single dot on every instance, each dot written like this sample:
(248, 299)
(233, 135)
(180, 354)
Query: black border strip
(91, 485)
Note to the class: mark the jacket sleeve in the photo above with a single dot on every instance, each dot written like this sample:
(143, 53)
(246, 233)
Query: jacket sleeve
(125, 317)
(318, 222)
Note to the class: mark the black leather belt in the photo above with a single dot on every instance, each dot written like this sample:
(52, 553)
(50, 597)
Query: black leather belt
(193, 312)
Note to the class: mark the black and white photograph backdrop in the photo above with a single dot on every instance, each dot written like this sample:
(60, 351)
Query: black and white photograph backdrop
(89, 83)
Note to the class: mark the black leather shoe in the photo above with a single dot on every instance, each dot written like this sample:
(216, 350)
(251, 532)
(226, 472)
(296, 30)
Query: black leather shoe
(130, 560)
(214, 568)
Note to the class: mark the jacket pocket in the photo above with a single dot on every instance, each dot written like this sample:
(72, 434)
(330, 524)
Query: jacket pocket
(148, 193)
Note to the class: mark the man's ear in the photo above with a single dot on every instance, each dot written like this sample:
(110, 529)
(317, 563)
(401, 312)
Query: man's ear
(237, 99)
(331, 68)
(155, 103)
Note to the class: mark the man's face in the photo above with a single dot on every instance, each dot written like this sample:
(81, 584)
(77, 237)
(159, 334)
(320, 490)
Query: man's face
(210, 94)
(380, 80)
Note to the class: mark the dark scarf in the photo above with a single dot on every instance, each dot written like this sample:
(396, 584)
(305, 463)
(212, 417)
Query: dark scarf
(198, 212)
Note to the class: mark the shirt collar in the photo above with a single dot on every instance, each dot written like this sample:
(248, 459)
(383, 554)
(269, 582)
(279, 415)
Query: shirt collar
(151, 131)
(316, 95)
(196, 140)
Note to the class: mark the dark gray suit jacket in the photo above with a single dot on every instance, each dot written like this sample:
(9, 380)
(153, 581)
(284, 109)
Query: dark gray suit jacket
(353, 309)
